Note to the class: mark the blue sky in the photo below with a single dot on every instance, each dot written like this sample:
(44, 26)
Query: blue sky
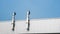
(38, 8)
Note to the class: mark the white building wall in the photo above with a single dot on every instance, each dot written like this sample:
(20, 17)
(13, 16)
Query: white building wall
(36, 26)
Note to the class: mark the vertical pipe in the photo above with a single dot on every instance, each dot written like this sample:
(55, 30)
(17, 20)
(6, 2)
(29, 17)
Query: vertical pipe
(13, 21)
(28, 20)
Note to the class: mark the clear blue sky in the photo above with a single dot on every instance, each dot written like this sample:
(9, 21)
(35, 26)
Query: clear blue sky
(38, 9)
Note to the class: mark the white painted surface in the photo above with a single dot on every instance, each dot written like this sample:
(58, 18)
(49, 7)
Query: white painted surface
(36, 26)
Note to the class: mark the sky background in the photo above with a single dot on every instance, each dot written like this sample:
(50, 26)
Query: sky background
(38, 8)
